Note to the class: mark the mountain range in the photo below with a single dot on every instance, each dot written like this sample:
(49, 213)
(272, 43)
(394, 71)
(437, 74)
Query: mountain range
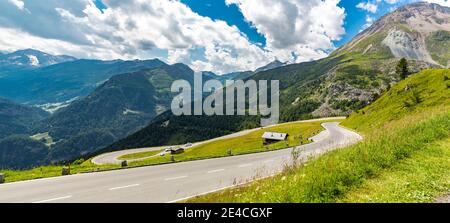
(64, 81)
(274, 64)
(117, 108)
(29, 59)
(119, 104)
(352, 77)
(95, 114)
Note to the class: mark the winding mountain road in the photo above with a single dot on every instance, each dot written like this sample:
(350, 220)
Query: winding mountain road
(114, 157)
(172, 182)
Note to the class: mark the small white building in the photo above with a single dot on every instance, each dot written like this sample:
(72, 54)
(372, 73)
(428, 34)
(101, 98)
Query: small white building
(272, 137)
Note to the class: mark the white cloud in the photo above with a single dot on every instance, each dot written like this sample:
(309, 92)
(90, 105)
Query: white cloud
(296, 30)
(369, 22)
(368, 6)
(13, 39)
(18, 3)
(392, 1)
(440, 2)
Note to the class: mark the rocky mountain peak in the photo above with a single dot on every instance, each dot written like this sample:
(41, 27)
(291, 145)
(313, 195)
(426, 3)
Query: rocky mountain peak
(30, 58)
(272, 65)
(418, 31)
(422, 17)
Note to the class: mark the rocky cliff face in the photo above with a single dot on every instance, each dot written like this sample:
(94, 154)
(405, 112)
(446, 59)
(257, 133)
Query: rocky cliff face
(403, 44)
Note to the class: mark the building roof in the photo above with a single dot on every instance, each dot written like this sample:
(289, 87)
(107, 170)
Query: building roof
(275, 136)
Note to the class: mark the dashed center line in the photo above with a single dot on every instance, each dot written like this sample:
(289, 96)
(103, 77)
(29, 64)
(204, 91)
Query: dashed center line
(52, 199)
(245, 165)
(175, 178)
(123, 187)
(216, 171)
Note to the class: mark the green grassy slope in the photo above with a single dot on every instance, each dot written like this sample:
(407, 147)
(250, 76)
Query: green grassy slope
(420, 92)
(402, 143)
(53, 171)
(417, 179)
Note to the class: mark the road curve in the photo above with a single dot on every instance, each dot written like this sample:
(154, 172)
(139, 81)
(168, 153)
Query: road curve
(113, 157)
(172, 182)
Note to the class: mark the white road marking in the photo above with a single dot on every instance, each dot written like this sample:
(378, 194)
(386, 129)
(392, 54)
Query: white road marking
(53, 199)
(216, 171)
(123, 187)
(268, 161)
(245, 165)
(175, 178)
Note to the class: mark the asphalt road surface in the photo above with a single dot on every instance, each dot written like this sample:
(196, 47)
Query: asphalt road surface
(172, 182)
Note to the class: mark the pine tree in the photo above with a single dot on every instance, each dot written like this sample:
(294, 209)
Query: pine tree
(402, 68)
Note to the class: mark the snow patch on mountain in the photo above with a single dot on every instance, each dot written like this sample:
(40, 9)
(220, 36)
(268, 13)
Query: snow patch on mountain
(54, 107)
(34, 61)
(29, 58)
(131, 112)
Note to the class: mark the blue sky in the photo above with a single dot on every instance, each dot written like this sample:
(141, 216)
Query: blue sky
(217, 9)
(214, 35)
